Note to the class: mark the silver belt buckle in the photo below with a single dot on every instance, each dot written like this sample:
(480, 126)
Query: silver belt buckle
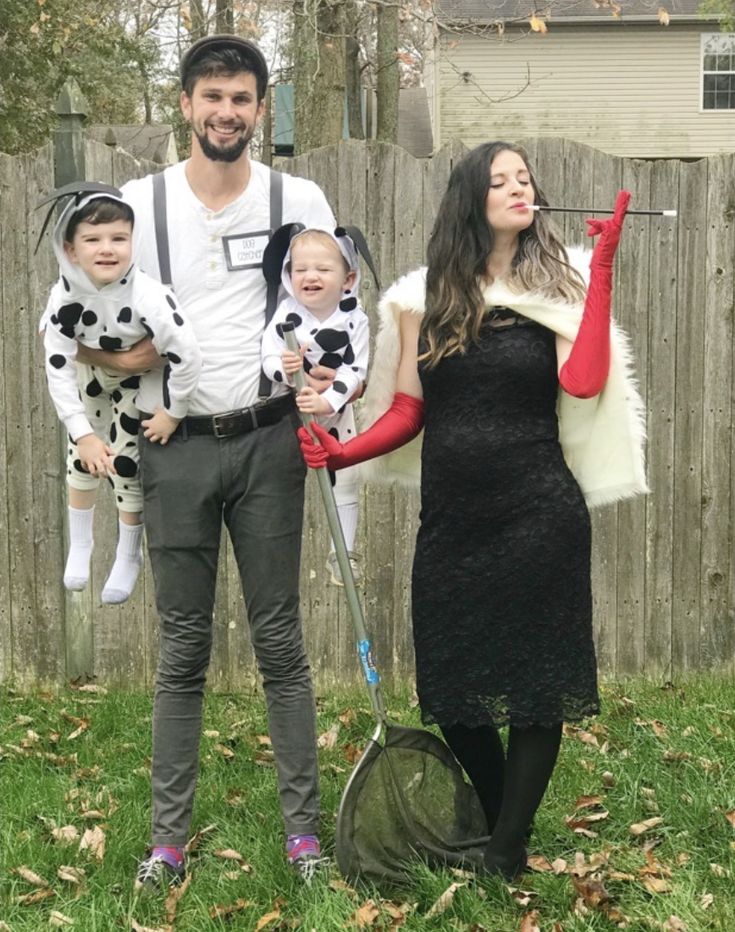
(220, 422)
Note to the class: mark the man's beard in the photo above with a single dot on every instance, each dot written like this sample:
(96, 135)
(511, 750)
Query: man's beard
(229, 153)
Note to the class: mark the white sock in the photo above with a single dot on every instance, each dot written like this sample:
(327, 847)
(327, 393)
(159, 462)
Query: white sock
(76, 571)
(348, 519)
(128, 561)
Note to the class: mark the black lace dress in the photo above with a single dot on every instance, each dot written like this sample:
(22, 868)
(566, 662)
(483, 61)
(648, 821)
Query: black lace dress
(502, 606)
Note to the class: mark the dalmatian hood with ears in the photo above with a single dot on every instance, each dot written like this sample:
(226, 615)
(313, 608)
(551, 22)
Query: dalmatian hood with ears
(73, 282)
(346, 246)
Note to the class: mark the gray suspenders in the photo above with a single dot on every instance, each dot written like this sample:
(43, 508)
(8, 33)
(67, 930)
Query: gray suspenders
(164, 256)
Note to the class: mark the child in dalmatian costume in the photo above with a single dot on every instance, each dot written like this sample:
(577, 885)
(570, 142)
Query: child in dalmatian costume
(102, 301)
(321, 274)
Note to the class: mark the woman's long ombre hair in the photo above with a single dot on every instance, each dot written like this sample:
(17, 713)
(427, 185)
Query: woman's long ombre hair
(460, 244)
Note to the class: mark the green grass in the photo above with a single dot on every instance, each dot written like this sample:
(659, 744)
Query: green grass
(49, 779)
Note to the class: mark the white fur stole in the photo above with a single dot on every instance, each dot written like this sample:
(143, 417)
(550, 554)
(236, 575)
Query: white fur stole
(603, 438)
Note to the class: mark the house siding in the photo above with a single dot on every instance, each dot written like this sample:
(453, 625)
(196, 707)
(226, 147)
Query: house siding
(629, 90)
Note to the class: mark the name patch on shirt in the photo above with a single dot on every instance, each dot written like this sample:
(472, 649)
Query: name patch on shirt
(245, 250)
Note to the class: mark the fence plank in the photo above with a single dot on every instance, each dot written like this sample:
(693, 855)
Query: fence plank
(607, 172)
(632, 514)
(661, 380)
(716, 616)
(7, 204)
(19, 348)
(686, 555)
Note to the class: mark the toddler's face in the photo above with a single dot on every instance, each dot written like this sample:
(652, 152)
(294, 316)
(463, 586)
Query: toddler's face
(102, 250)
(318, 275)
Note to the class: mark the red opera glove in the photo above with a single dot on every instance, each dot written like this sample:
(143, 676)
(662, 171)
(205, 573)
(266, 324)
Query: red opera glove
(585, 372)
(400, 423)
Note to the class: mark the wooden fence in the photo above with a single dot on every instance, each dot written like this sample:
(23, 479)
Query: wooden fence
(662, 566)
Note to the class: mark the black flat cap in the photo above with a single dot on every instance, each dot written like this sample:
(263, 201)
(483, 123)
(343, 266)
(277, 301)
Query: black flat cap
(252, 57)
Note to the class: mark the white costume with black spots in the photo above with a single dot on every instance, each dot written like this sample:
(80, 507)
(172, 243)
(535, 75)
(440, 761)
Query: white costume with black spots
(342, 343)
(89, 399)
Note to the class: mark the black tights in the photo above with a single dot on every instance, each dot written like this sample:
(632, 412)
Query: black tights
(510, 788)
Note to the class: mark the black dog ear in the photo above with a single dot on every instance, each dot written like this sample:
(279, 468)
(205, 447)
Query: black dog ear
(275, 252)
(356, 235)
(77, 190)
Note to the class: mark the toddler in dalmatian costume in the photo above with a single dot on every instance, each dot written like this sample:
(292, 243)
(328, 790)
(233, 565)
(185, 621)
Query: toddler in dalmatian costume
(321, 273)
(102, 301)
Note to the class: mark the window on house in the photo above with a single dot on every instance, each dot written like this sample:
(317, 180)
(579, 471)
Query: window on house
(718, 71)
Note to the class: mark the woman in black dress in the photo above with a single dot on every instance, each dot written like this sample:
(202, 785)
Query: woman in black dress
(497, 346)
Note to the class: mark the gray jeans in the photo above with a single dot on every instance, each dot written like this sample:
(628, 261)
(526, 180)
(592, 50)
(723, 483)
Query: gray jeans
(255, 483)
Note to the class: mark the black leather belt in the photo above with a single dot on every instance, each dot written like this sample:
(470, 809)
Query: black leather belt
(232, 423)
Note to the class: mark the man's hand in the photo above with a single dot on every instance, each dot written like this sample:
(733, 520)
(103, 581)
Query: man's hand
(141, 357)
(159, 428)
(309, 401)
(96, 457)
(320, 378)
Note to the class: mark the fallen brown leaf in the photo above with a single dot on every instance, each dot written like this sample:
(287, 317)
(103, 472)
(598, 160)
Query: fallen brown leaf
(174, 895)
(38, 896)
(582, 867)
(608, 779)
(90, 688)
(398, 912)
(59, 920)
(228, 854)
(328, 740)
(25, 873)
(640, 828)
(65, 835)
(347, 717)
(537, 862)
(267, 919)
(70, 874)
(718, 870)
(587, 802)
(226, 752)
(674, 924)
(93, 840)
(196, 839)
(341, 886)
(656, 885)
(351, 753)
(522, 897)
(530, 922)
(592, 892)
(621, 875)
(365, 915)
(444, 901)
(672, 756)
(706, 900)
(31, 738)
(136, 927)
(218, 912)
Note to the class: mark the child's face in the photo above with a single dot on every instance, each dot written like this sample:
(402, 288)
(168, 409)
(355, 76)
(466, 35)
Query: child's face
(102, 250)
(318, 275)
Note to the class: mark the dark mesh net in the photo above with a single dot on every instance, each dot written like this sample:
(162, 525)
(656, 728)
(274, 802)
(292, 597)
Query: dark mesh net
(406, 800)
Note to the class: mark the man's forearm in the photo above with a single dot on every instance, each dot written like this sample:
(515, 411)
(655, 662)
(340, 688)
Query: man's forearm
(103, 358)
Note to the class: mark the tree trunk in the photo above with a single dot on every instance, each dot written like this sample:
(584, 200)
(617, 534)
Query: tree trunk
(352, 71)
(198, 20)
(224, 19)
(319, 73)
(387, 76)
